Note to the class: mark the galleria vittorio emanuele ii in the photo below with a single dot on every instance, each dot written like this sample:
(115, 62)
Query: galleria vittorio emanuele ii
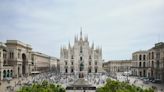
(81, 46)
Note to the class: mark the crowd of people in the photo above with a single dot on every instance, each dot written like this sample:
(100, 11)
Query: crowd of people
(66, 79)
(51, 77)
(95, 79)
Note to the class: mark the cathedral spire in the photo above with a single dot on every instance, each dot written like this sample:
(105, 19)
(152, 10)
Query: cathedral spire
(86, 38)
(75, 39)
(81, 34)
(93, 45)
(61, 51)
(69, 45)
(101, 51)
(81, 31)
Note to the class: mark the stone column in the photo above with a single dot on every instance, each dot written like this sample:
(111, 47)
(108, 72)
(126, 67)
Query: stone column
(26, 68)
(16, 71)
(20, 71)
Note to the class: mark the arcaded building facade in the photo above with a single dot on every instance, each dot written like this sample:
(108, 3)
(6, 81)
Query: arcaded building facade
(149, 63)
(14, 59)
(156, 61)
(140, 63)
(17, 60)
(80, 58)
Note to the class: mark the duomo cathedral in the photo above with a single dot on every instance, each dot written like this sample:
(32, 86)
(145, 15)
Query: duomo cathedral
(81, 58)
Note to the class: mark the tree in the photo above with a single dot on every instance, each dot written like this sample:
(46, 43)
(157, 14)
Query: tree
(116, 86)
(43, 87)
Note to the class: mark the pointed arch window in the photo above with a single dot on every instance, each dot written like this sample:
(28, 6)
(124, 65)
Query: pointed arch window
(89, 62)
(65, 62)
(72, 70)
(72, 62)
(95, 62)
(81, 67)
(66, 70)
(89, 70)
(90, 57)
(72, 57)
(81, 58)
(95, 70)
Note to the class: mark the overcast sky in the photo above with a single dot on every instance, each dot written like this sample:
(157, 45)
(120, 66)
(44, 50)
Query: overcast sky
(120, 27)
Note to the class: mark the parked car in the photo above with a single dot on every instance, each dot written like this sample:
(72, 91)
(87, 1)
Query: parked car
(156, 81)
(151, 79)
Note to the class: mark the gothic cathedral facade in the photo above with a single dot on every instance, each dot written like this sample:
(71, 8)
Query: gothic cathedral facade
(81, 58)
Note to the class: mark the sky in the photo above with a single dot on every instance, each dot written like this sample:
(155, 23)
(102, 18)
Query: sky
(120, 27)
